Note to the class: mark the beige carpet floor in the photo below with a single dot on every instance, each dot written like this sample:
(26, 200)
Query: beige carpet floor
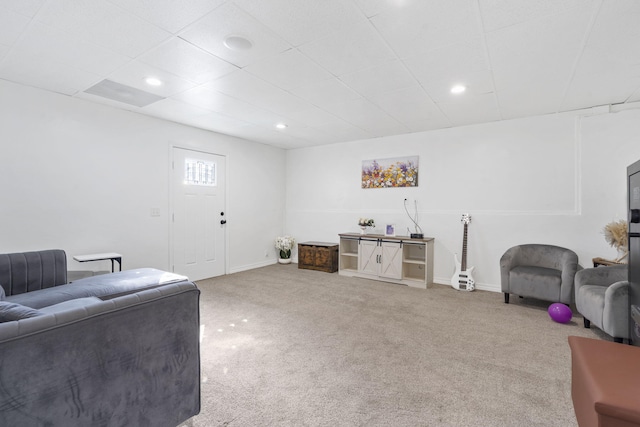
(288, 347)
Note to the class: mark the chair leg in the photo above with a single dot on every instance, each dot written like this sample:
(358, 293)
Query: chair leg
(587, 323)
(618, 340)
(506, 298)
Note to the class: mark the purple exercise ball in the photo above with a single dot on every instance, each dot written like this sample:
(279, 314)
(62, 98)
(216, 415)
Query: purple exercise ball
(560, 313)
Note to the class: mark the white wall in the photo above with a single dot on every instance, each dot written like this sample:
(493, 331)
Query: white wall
(551, 179)
(83, 177)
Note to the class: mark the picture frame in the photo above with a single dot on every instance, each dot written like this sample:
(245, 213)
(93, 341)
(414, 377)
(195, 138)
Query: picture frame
(390, 173)
(390, 230)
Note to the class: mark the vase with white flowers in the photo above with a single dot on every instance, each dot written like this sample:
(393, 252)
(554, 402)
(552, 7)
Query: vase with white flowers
(364, 223)
(284, 244)
(616, 233)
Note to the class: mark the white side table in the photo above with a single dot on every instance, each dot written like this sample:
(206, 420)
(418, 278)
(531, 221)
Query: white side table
(112, 256)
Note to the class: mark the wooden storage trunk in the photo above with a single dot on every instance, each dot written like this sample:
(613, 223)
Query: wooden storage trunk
(319, 256)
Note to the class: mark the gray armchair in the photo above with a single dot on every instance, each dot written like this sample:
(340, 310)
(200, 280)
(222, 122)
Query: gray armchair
(602, 297)
(544, 272)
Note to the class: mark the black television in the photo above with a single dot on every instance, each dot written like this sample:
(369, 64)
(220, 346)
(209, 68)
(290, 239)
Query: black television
(633, 212)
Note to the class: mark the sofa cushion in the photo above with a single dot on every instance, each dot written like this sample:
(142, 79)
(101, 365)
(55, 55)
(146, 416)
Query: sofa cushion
(70, 305)
(10, 311)
(1, 293)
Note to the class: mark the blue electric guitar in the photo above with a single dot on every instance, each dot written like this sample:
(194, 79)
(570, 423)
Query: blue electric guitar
(462, 279)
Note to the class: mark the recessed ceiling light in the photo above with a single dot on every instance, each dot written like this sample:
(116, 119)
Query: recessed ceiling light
(458, 89)
(153, 81)
(281, 126)
(237, 43)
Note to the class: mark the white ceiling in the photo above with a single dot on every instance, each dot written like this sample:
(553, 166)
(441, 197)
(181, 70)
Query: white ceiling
(332, 70)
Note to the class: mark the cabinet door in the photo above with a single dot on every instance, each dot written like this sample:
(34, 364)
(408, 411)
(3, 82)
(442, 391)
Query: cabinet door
(306, 255)
(391, 262)
(368, 256)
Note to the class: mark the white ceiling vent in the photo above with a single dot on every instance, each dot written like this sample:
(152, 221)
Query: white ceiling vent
(123, 93)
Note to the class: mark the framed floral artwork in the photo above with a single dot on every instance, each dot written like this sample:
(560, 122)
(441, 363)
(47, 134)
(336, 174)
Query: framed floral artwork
(390, 173)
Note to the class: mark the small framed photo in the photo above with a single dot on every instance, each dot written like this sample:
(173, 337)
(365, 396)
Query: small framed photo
(390, 230)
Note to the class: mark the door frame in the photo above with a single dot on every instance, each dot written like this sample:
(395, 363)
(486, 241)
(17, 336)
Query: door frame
(172, 201)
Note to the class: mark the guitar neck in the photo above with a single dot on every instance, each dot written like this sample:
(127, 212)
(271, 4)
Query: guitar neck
(463, 262)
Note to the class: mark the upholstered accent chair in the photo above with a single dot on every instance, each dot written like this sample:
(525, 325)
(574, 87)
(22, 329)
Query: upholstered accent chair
(544, 272)
(602, 297)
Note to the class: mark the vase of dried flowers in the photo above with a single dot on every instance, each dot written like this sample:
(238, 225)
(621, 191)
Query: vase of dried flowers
(616, 233)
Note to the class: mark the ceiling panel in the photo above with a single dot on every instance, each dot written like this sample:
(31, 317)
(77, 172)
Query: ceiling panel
(411, 106)
(426, 25)
(462, 63)
(389, 76)
(288, 70)
(12, 25)
(48, 43)
(24, 7)
(169, 14)
(104, 24)
(303, 21)
(187, 61)
(135, 72)
(31, 70)
(210, 32)
(471, 109)
(325, 93)
(350, 50)
(498, 14)
(333, 70)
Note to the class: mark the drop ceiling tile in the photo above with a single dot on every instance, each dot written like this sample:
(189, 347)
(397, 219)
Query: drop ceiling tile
(104, 24)
(169, 14)
(410, 106)
(460, 63)
(525, 83)
(31, 70)
(426, 25)
(374, 7)
(616, 30)
(288, 70)
(326, 93)
(210, 32)
(315, 117)
(354, 49)
(187, 61)
(135, 72)
(368, 117)
(498, 14)
(218, 102)
(58, 46)
(635, 97)
(602, 78)
(246, 87)
(4, 50)
(389, 76)
(472, 109)
(24, 7)
(302, 21)
(12, 25)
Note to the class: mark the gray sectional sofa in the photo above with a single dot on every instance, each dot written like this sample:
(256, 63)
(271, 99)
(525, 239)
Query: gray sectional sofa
(120, 349)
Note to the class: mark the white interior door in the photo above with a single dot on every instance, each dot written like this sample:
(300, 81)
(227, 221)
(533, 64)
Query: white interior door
(198, 219)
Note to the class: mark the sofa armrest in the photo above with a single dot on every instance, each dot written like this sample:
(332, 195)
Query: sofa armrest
(132, 360)
(601, 276)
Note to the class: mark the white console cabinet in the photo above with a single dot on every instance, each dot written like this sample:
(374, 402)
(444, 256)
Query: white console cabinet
(397, 259)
